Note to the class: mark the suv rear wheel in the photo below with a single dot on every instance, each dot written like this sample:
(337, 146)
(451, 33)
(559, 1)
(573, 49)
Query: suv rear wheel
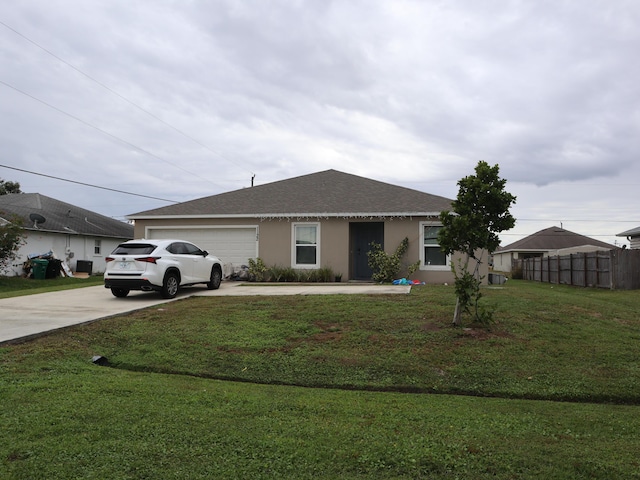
(120, 292)
(170, 285)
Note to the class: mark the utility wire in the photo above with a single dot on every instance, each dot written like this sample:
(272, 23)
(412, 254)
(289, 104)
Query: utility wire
(88, 184)
(116, 93)
(104, 132)
(574, 220)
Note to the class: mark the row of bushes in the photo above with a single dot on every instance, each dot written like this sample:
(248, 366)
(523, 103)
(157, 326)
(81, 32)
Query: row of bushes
(259, 272)
(385, 268)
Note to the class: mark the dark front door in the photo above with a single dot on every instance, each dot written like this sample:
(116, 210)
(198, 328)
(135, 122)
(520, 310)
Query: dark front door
(361, 234)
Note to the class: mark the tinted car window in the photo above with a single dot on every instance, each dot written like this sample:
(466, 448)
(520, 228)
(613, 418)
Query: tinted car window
(174, 248)
(134, 249)
(192, 249)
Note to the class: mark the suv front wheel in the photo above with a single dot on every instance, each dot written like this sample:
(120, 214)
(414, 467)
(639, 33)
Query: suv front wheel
(216, 278)
(170, 285)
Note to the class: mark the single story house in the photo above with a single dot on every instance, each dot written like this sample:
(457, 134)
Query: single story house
(76, 236)
(633, 236)
(548, 242)
(324, 219)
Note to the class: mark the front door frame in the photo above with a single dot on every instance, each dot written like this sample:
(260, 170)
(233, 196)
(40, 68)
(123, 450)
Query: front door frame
(361, 234)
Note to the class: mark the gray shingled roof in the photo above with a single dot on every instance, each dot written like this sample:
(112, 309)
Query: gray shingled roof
(61, 217)
(328, 193)
(553, 238)
(634, 232)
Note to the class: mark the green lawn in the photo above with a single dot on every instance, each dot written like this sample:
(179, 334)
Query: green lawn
(333, 387)
(18, 286)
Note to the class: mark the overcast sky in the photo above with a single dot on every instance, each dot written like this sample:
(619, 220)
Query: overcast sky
(182, 99)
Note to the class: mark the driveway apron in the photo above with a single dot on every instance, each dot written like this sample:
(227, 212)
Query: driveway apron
(29, 316)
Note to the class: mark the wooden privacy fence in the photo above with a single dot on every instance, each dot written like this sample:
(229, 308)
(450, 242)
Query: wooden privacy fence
(617, 269)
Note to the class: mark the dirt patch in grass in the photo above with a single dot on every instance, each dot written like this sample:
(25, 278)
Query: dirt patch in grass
(326, 337)
(351, 361)
(331, 332)
(477, 333)
(432, 327)
(482, 333)
(585, 311)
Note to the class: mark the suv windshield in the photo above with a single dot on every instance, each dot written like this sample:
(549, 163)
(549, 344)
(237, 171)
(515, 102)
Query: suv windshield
(134, 249)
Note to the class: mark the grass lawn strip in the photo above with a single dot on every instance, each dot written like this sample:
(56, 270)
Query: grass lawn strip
(73, 420)
(68, 418)
(574, 345)
(17, 286)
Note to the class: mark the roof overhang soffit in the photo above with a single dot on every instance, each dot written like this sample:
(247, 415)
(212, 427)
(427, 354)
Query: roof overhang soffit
(300, 216)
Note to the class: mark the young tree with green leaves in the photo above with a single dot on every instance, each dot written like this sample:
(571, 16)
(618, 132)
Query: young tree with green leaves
(480, 213)
(11, 238)
(11, 232)
(9, 187)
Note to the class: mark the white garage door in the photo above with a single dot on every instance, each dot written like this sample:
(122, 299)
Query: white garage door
(233, 245)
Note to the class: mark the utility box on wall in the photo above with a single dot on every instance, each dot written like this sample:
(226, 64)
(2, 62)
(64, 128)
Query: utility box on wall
(84, 266)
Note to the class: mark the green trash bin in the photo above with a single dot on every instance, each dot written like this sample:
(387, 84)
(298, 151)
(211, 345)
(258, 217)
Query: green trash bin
(39, 268)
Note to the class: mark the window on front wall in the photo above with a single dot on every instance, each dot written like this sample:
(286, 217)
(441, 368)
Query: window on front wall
(432, 258)
(97, 247)
(306, 243)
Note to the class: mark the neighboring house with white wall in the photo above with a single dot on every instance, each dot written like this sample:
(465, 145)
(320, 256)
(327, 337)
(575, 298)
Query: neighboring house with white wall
(548, 242)
(72, 233)
(633, 236)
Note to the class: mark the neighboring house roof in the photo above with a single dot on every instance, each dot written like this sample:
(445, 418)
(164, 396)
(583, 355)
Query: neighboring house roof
(553, 238)
(60, 217)
(634, 232)
(325, 194)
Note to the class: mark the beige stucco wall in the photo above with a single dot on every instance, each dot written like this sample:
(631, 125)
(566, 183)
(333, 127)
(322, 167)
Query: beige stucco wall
(395, 231)
(275, 241)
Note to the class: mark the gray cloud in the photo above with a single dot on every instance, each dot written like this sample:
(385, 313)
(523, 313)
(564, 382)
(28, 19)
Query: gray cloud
(409, 92)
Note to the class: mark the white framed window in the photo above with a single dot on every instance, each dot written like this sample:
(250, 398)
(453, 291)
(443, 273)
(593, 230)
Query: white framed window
(306, 245)
(431, 257)
(97, 247)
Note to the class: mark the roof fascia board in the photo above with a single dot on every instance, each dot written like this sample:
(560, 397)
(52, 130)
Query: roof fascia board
(634, 232)
(80, 234)
(527, 250)
(291, 215)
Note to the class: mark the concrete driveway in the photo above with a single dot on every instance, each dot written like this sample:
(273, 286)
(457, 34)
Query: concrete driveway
(30, 316)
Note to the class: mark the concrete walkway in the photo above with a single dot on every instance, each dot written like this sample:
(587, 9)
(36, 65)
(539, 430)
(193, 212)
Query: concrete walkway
(22, 318)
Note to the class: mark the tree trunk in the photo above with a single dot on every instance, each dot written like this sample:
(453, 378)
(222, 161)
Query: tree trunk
(457, 314)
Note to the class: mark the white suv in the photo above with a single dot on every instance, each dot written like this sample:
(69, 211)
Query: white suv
(160, 265)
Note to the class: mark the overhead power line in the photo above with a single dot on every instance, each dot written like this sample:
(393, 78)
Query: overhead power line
(104, 132)
(109, 89)
(88, 184)
(575, 220)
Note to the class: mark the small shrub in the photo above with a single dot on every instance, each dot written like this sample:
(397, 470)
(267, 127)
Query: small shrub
(277, 273)
(325, 274)
(413, 268)
(285, 274)
(306, 276)
(257, 270)
(260, 273)
(467, 288)
(386, 267)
